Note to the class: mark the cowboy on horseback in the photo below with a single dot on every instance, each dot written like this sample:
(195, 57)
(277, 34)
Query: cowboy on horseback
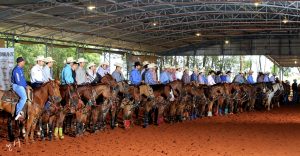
(91, 73)
(117, 74)
(66, 74)
(103, 69)
(37, 77)
(19, 85)
(165, 75)
(47, 70)
(81, 77)
(149, 76)
(135, 75)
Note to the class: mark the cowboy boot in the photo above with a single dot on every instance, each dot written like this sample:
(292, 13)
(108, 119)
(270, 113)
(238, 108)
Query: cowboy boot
(61, 135)
(56, 133)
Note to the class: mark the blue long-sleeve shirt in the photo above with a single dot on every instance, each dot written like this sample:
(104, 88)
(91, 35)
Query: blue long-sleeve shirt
(66, 75)
(250, 79)
(149, 78)
(194, 77)
(18, 77)
(164, 77)
(266, 78)
(223, 78)
(135, 77)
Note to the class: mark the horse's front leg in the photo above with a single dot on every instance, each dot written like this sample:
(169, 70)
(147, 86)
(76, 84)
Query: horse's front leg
(210, 105)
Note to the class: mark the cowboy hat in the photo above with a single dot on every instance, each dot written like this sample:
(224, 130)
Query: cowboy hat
(70, 60)
(91, 64)
(118, 64)
(137, 64)
(250, 71)
(104, 63)
(195, 69)
(151, 65)
(49, 59)
(202, 70)
(40, 58)
(167, 66)
(145, 63)
(178, 67)
(186, 68)
(81, 60)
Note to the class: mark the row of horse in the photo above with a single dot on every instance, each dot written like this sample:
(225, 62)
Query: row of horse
(90, 106)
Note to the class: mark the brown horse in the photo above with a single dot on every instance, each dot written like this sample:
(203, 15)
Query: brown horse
(53, 111)
(103, 96)
(162, 99)
(71, 103)
(215, 93)
(199, 100)
(49, 90)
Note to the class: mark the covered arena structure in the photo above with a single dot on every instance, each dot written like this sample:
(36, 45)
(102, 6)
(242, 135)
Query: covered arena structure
(160, 29)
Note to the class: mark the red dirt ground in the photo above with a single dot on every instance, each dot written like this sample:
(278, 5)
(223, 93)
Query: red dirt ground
(274, 133)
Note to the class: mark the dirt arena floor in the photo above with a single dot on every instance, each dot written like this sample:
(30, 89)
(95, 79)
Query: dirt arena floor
(274, 133)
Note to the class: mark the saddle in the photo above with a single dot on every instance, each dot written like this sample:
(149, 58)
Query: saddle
(12, 98)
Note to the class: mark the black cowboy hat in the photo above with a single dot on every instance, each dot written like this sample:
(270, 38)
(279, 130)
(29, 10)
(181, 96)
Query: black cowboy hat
(137, 64)
(212, 71)
(228, 72)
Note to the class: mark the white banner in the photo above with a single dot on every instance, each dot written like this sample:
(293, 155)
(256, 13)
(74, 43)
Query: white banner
(6, 67)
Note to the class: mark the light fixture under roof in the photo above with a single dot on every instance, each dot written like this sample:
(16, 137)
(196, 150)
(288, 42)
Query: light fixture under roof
(285, 21)
(91, 7)
(198, 34)
(154, 24)
(256, 4)
(295, 62)
(226, 41)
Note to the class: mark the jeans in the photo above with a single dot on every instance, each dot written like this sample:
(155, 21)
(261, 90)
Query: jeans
(20, 90)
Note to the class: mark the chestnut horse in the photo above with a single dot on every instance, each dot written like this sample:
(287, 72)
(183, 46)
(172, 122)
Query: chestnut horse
(49, 90)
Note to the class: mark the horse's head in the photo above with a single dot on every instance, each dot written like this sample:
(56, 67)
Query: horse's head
(54, 93)
(108, 79)
(88, 93)
(147, 91)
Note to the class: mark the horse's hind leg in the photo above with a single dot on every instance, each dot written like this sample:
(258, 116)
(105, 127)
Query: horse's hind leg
(11, 136)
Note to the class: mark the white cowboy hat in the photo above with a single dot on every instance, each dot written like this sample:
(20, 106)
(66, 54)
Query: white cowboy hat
(91, 64)
(104, 63)
(81, 60)
(118, 64)
(195, 69)
(40, 58)
(49, 59)
(70, 60)
(145, 63)
(177, 67)
(151, 65)
(167, 66)
(202, 70)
